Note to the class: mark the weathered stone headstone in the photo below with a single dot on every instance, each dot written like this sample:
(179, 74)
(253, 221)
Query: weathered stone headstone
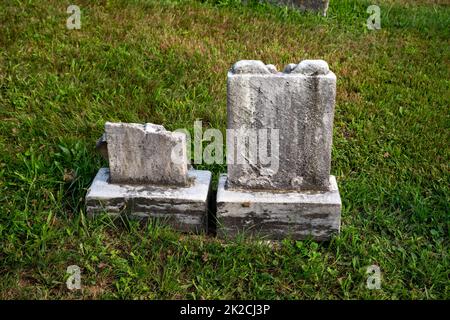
(290, 113)
(149, 177)
(306, 5)
(142, 153)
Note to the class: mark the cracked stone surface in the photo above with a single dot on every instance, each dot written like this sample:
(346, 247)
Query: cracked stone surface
(297, 197)
(299, 102)
(146, 154)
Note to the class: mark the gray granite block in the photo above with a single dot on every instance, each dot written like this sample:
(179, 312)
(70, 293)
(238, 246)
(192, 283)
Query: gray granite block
(277, 215)
(102, 146)
(183, 208)
(320, 6)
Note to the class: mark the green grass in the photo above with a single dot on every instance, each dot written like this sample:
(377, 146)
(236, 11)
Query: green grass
(166, 62)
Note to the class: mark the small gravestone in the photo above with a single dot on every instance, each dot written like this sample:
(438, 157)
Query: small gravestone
(279, 137)
(148, 177)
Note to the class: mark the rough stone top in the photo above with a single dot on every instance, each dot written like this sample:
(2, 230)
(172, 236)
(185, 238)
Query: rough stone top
(257, 67)
(145, 127)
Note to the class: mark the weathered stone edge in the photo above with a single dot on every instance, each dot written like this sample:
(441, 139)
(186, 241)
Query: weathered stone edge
(183, 213)
(276, 216)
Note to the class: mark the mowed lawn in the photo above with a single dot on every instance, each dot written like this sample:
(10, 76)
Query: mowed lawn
(166, 62)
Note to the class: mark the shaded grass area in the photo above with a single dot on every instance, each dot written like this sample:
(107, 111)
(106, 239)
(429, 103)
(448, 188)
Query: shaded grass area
(166, 62)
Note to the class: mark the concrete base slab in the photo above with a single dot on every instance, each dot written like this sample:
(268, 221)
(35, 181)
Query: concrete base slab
(183, 208)
(277, 215)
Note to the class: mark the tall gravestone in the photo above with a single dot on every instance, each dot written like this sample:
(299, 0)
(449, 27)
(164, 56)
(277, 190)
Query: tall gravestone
(149, 177)
(320, 6)
(279, 138)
